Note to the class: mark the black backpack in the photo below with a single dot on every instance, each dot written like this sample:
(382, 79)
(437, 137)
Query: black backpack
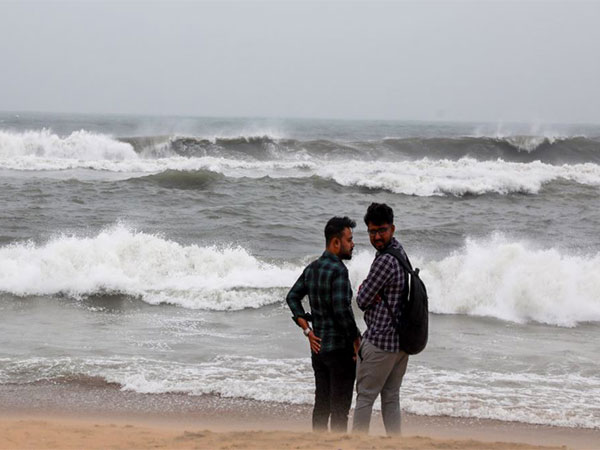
(412, 324)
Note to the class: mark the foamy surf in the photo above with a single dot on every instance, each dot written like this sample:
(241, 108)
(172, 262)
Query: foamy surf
(44, 145)
(516, 281)
(508, 280)
(157, 270)
(559, 399)
(530, 143)
(424, 177)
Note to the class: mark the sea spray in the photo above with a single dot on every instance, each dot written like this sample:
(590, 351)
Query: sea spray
(497, 277)
(515, 281)
(427, 175)
(79, 145)
(120, 260)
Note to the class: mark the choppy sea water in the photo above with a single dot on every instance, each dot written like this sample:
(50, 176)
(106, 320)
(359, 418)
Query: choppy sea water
(156, 253)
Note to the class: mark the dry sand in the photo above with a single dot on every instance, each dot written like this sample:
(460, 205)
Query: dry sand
(72, 434)
(95, 415)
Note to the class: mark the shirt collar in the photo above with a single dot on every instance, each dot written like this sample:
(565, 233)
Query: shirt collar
(393, 244)
(328, 254)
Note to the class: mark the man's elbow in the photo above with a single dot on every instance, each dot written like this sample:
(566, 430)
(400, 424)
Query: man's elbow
(360, 302)
(291, 300)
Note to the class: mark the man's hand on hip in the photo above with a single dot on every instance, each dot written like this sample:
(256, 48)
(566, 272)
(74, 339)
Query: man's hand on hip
(315, 342)
(356, 347)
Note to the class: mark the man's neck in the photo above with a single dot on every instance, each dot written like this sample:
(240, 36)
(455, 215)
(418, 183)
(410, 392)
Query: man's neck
(386, 246)
(330, 252)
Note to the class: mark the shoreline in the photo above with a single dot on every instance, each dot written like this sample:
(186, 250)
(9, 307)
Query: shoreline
(92, 405)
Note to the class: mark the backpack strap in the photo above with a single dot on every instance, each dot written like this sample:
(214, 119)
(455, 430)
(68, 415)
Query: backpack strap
(405, 263)
(403, 260)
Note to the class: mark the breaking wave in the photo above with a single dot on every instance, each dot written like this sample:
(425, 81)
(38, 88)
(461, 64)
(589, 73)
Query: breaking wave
(564, 399)
(463, 177)
(45, 145)
(517, 148)
(499, 278)
(120, 260)
(532, 143)
(517, 282)
(185, 163)
(87, 146)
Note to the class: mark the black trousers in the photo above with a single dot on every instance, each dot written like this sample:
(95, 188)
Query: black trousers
(335, 372)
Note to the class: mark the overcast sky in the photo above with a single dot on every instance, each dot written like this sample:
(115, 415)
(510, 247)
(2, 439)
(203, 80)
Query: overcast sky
(482, 61)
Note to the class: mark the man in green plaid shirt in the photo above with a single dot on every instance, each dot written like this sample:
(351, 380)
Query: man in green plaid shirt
(335, 338)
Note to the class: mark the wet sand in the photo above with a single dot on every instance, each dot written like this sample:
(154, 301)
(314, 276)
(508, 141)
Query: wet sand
(96, 415)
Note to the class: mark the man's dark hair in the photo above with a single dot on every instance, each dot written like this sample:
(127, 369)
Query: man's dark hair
(379, 214)
(336, 226)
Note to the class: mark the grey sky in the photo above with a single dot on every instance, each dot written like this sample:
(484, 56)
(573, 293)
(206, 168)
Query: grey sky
(484, 61)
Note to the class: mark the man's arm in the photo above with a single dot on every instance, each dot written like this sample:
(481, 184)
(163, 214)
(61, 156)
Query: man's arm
(341, 298)
(313, 340)
(294, 301)
(294, 298)
(381, 271)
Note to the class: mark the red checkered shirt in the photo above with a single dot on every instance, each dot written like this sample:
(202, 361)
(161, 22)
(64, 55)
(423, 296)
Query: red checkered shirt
(385, 273)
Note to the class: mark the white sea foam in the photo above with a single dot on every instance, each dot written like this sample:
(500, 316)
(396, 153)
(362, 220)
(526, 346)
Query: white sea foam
(44, 151)
(526, 139)
(140, 166)
(43, 145)
(155, 269)
(427, 177)
(529, 143)
(562, 399)
(496, 277)
(508, 280)
(424, 177)
(517, 282)
(247, 134)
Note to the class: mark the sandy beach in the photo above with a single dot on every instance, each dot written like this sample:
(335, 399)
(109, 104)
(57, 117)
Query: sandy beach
(92, 414)
(52, 433)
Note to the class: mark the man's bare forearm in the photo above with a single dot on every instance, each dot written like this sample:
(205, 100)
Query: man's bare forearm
(302, 323)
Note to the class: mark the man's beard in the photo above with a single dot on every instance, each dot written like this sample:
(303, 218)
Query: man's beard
(380, 243)
(346, 256)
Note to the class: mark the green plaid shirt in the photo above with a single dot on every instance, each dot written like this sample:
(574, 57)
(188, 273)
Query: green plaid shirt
(326, 283)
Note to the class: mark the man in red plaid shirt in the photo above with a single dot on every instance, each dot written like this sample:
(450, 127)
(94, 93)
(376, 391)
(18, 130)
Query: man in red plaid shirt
(381, 362)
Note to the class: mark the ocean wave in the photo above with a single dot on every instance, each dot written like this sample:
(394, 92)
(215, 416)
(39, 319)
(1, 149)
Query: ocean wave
(154, 269)
(44, 151)
(517, 282)
(79, 145)
(142, 166)
(44, 146)
(562, 399)
(463, 177)
(423, 177)
(532, 143)
(178, 179)
(516, 148)
(508, 280)
(256, 147)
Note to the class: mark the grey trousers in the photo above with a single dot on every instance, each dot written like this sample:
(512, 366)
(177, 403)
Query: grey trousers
(378, 372)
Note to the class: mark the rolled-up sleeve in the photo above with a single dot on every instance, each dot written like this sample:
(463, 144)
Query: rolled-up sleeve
(381, 271)
(341, 298)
